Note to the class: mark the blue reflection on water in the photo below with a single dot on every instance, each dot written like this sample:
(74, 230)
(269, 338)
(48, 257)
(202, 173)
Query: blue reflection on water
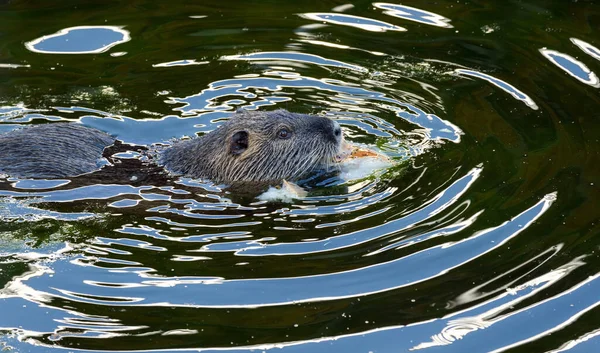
(186, 62)
(92, 192)
(18, 210)
(505, 86)
(367, 24)
(80, 40)
(572, 66)
(590, 342)
(123, 287)
(587, 48)
(293, 56)
(441, 201)
(414, 14)
(512, 330)
(38, 184)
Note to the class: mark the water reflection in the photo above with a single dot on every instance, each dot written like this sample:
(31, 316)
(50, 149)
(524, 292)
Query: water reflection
(12, 66)
(364, 23)
(585, 343)
(414, 14)
(505, 86)
(12, 210)
(336, 45)
(38, 184)
(80, 40)
(130, 285)
(440, 202)
(494, 313)
(572, 66)
(181, 63)
(342, 8)
(294, 57)
(587, 48)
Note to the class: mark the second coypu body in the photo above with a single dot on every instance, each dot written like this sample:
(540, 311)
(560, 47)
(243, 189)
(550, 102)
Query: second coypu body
(249, 147)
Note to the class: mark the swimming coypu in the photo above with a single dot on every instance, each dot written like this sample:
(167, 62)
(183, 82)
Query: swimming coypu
(249, 147)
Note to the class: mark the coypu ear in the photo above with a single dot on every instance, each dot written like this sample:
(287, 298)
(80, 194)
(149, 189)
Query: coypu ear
(238, 143)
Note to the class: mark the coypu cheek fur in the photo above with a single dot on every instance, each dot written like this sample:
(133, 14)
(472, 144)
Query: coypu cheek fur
(258, 147)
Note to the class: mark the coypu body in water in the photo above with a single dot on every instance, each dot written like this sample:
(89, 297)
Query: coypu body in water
(52, 150)
(249, 147)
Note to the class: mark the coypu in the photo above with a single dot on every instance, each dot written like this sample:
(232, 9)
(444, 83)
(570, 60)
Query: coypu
(249, 147)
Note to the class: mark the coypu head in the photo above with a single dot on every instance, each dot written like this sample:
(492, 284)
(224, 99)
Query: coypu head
(259, 147)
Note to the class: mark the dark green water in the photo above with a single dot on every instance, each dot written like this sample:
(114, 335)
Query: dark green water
(484, 237)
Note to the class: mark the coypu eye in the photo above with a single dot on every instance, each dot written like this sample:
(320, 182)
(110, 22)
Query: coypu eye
(238, 143)
(284, 133)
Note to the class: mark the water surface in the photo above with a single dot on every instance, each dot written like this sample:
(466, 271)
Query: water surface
(482, 238)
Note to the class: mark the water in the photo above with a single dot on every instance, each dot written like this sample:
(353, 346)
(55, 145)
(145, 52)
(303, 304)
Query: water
(483, 237)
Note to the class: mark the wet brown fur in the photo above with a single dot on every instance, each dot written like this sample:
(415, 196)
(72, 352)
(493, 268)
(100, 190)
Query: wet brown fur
(245, 149)
(313, 144)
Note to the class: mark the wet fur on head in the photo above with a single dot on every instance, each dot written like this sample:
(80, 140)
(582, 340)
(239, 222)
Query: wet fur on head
(258, 146)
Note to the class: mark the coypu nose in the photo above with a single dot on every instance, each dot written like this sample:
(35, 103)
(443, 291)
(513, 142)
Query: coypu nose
(337, 131)
(328, 129)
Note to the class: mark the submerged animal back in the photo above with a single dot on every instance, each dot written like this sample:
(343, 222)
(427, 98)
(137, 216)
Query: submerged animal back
(52, 150)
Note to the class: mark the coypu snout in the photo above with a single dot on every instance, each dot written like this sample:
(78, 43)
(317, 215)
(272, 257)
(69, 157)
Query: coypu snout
(337, 132)
(330, 129)
(259, 146)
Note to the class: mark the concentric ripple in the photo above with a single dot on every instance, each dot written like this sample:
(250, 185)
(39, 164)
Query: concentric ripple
(479, 236)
